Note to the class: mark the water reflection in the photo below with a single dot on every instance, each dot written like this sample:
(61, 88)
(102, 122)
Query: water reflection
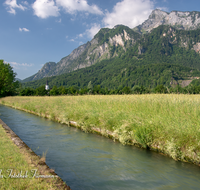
(89, 161)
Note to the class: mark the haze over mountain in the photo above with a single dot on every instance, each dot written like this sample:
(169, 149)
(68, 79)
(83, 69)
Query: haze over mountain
(114, 43)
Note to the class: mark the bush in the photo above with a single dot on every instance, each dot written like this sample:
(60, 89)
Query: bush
(160, 89)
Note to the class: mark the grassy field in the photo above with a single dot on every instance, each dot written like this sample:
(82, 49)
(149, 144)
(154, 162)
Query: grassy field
(19, 170)
(167, 123)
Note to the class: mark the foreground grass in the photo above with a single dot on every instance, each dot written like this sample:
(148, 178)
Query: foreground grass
(18, 170)
(167, 123)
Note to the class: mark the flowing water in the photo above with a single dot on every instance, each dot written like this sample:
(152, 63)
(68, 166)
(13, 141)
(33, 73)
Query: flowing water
(89, 161)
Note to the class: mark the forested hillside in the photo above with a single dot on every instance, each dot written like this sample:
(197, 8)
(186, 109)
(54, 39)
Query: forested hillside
(164, 56)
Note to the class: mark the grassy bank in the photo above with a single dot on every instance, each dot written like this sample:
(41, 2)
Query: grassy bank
(167, 123)
(19, 169)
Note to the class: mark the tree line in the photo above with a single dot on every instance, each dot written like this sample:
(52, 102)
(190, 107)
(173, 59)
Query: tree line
(98, 90)
(9, 87)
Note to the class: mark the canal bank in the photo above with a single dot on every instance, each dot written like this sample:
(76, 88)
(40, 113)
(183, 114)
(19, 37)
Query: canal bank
(124, 135)
(25, 171)
(87, 162)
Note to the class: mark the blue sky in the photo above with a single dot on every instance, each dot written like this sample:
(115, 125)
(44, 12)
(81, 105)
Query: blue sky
(34, 32)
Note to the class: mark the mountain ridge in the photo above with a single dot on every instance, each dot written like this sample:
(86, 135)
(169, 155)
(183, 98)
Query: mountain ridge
(110, 43)
(178, 19)
(166, 56)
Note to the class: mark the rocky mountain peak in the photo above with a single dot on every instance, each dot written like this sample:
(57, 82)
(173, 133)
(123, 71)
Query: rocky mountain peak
(47, 66)
(177, 19)
(44, 71)
(157, 14)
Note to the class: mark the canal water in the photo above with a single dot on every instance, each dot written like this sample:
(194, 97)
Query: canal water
(89, 161)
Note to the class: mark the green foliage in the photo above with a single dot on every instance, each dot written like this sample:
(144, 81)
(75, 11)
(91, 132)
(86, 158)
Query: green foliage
(112, 74)
(7, 80)
(62, 90)
(160, 89)
(90, 86)
(27, 92)
(143, 135)
(54, 91)
(140, 90)
(73, 90)
(126, 90)
(40, 91)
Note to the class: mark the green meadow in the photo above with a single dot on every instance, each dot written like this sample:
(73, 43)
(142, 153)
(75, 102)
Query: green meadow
(167, 123)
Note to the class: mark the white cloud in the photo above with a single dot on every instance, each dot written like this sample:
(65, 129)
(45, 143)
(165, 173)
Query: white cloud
(93, 30)
(16, 65)
(80, 35)
(59, 21)
(45, 8)
(163, 9)
(25, 3)
(12, 5)
(71, 6)
(90, 32)
(129, 12)
(24, 29)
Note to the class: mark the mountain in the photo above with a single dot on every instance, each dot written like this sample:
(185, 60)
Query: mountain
(105, 45)
(43, 72)
(17, 79)
(172, 35)
(165, 56)
(177, 19)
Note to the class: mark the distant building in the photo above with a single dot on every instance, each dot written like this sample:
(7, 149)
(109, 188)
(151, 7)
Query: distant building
(47, 86)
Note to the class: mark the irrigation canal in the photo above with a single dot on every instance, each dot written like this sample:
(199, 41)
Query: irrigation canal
(89, 161)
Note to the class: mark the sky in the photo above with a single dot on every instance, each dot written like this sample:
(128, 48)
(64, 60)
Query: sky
(33, 32)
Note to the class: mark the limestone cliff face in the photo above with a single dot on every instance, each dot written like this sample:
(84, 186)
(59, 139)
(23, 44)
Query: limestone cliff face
(196, 47)
(177, 19)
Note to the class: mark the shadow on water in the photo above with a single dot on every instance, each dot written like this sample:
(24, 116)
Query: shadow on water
(89, 161)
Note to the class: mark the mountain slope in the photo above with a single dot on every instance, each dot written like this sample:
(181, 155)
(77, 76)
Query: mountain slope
(164, 56)
(116, 42)
(108, 43)
(167, 44)
(43, 72)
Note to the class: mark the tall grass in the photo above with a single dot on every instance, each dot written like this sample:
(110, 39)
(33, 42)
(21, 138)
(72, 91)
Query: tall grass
(167, 123)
